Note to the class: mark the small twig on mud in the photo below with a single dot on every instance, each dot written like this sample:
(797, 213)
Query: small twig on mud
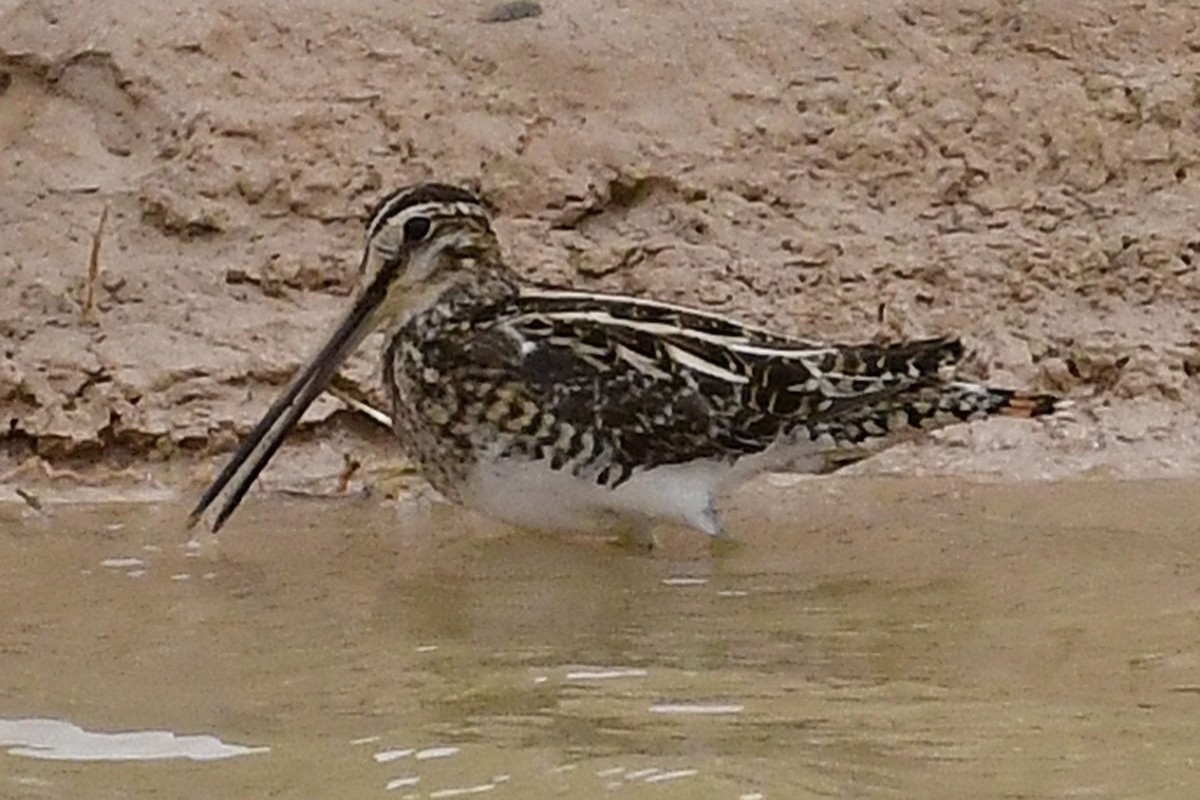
(93, 273)
(31, 499)
(40, 468)
(350, 465)
(881, 320)
(354, 404)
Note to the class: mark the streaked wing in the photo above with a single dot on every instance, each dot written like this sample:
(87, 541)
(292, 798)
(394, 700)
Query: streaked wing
(566, 304)
(621, 384)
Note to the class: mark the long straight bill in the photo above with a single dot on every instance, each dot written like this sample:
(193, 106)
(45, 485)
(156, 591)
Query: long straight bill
(262, 442)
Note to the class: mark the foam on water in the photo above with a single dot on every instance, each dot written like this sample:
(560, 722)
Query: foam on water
(56, 740)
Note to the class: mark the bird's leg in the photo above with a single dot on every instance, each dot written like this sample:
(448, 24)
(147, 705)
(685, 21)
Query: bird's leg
(637, 535)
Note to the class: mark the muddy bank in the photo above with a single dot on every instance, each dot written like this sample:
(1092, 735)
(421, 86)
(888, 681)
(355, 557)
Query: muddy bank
(1025, 176)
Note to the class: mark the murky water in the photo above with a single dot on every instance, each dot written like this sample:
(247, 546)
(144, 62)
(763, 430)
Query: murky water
(864, 639)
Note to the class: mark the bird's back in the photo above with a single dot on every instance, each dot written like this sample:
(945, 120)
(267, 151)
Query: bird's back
(604, 387)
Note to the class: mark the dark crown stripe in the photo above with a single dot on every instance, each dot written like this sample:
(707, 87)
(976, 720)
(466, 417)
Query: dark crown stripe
(409, 196)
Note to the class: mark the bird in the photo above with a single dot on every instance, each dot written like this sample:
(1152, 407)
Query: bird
(559, 409)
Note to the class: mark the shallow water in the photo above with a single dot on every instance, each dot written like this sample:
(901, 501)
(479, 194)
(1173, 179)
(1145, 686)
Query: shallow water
(864, 638)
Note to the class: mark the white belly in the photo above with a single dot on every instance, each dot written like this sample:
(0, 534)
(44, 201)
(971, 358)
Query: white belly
(529, 494)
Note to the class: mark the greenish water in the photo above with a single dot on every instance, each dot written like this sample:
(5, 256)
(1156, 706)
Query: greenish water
(863, 639)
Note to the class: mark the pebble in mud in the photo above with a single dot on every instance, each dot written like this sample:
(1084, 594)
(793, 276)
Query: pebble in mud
(511, 12)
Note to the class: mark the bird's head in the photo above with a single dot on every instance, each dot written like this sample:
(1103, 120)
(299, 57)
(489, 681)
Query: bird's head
(421, 241)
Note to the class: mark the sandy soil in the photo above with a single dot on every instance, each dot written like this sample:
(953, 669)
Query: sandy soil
(1024, 174)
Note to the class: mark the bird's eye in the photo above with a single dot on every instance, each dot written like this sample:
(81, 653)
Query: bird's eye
(416, 229)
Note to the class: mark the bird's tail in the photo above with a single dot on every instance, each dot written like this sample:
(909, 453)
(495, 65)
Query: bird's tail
(926, 407)
(970, 400)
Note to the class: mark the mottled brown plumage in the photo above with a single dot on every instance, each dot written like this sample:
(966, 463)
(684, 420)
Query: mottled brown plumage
(557, 408)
